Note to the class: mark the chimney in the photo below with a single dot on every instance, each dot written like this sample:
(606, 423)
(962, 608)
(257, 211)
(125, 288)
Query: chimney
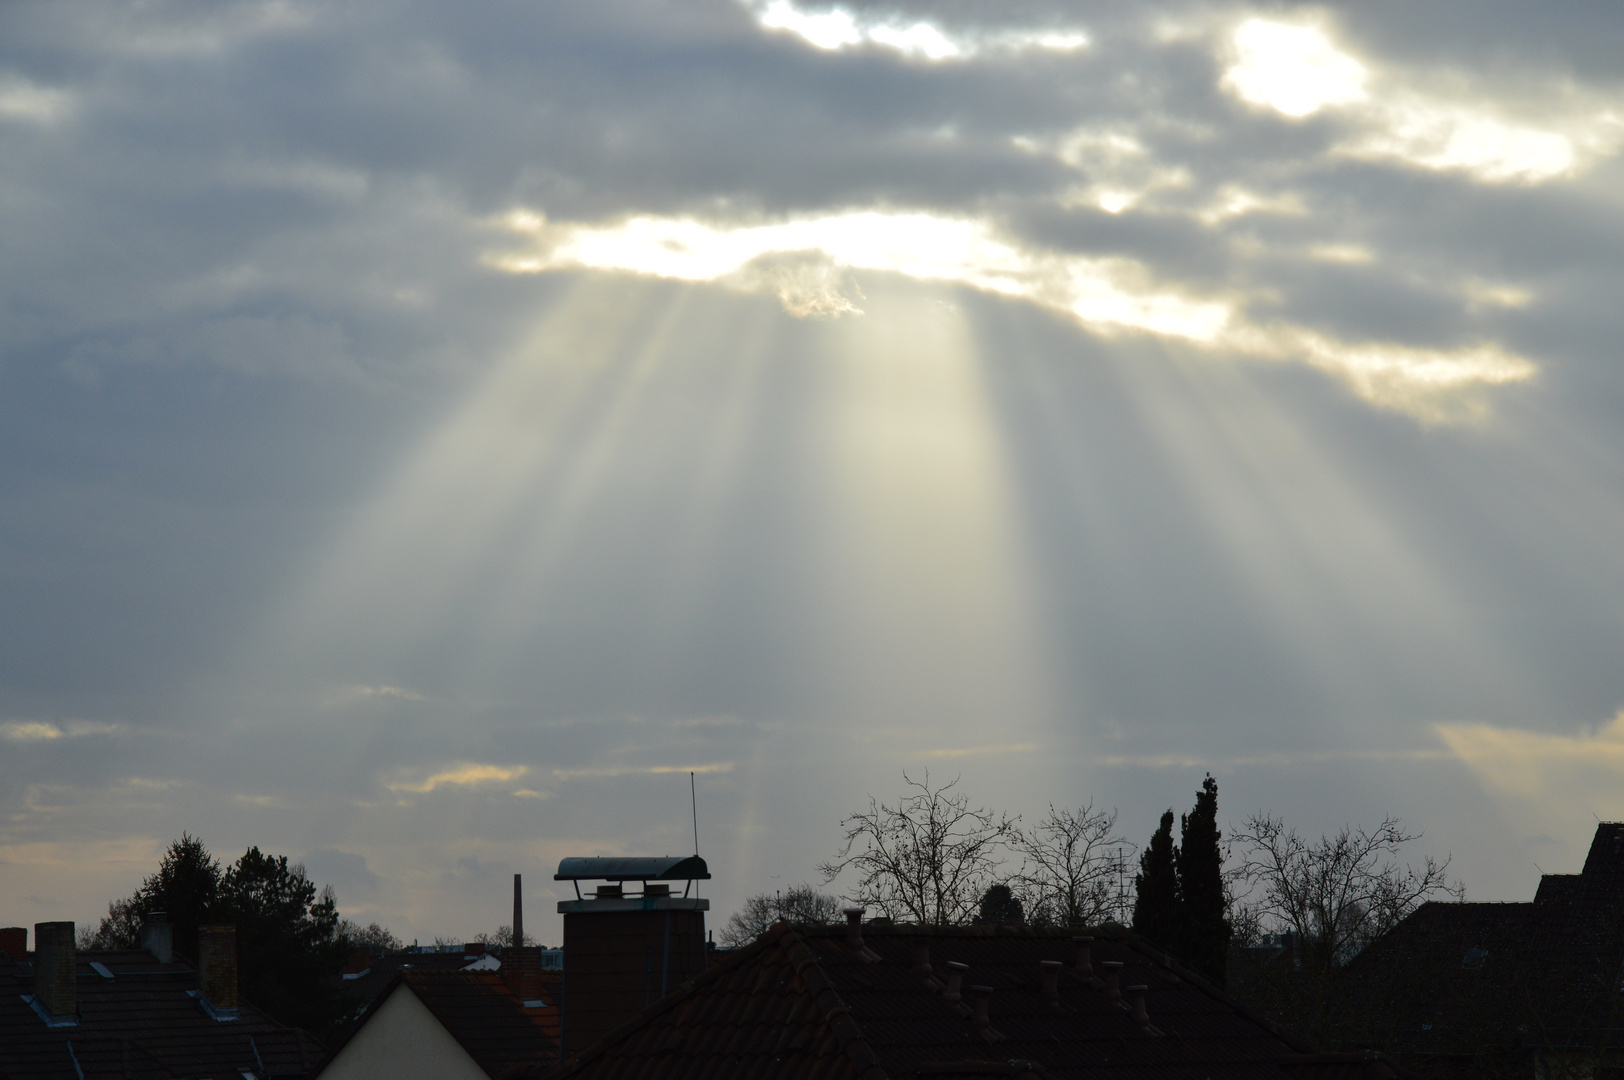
(217, 970)
(521, 970)
(54, 963)
(1084, 966)
(1136, 994)
(1051, 982)
(951, 992)
(923, 969)
(625, 950)
(1113, 971)
(158, 937)
(14, 941)
(518, 913)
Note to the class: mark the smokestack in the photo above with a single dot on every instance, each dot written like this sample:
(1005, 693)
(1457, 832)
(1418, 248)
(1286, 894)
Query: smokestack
(54, 962)
(518, 913)
(158, 937)
(14, 941)
(217, 969)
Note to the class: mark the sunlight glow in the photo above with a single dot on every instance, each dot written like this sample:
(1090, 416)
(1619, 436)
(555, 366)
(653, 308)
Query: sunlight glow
(1294, 70)
(1552, 780)
(25, 101)
(801, 260)
(837, 27)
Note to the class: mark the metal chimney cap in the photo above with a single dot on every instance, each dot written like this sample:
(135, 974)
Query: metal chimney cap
(634, 868)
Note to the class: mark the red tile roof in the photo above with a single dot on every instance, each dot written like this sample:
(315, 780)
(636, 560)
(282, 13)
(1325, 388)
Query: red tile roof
(802, 1003)
(141, 1023)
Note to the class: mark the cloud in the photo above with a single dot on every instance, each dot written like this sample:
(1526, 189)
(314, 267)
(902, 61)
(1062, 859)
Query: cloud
(465, 775)
(1530, 764)
(595, 773)
(837, 27)
(25, 731)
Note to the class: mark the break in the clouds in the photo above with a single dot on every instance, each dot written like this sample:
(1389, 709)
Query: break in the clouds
(425, 441)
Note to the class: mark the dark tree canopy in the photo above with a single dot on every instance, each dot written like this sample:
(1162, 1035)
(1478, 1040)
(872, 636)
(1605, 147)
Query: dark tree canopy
(288, 932)
(1156, 914)
(1205, 931)
(999, 904)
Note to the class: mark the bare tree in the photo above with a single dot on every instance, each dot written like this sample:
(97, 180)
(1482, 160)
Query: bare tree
(1337, 894)
(1072, 869)
(797, 904)
(501, 939)
(374, 938)
(928, 859)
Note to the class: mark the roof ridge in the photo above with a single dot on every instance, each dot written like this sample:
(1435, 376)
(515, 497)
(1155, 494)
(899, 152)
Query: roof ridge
(836, 1013)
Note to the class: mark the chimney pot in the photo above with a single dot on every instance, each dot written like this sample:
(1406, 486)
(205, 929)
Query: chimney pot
(1051, 981)
(1084, 965)
(854, 927)
(14, 941)
(1113, 972)
(217, 968)
(54, 963)
(158, 936)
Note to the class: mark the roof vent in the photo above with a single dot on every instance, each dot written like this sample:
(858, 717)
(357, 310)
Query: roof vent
(1113, 972)
(1051, 982)
(1084, 965)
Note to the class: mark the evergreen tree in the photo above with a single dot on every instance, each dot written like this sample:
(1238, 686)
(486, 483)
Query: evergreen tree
(1203, 940)
(1156, 914)
(999, 904)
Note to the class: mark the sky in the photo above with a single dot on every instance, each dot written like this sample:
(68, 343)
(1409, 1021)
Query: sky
(430, 433)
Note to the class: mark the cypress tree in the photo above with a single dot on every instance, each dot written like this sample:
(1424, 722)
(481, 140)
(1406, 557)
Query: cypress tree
(1156, 914)
(1204, 932)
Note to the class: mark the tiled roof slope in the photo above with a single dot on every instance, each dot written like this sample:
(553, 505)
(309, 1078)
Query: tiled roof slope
(801, 1003)
(141, 1024)
(484, 1015)
(487, 1018)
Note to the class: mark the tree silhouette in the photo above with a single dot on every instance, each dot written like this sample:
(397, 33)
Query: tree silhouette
(1156, 914)
(1203, 941)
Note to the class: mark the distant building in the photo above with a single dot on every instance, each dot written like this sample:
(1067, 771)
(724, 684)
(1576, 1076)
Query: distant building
(140, 1014)
(1532, 990)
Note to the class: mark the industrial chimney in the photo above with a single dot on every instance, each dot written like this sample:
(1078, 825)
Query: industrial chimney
(623, 950)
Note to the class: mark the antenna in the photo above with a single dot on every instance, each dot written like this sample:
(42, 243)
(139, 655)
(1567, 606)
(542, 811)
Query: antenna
(693, 797)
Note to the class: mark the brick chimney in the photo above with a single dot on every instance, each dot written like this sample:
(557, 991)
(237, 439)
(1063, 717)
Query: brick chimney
(521, 970)
(54, 961)
(624, 951)
(158, 937)
(14, 941)
(217, 970)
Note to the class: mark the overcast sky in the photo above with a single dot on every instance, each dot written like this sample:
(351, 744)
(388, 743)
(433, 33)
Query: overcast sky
(428, 432)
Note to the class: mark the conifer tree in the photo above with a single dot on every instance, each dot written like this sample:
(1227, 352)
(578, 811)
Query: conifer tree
(1156, 914)
(1204, 932)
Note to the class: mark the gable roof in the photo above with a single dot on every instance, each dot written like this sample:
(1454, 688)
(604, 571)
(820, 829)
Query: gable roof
(482, 1013)
(143, 1023)
(802, 1002)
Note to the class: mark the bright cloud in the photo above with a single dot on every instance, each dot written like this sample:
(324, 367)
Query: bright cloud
(806, 262)
(839, 28)
(1298, 72)
(467, 775)
(22, 100)
(1294, 70)
(1580, 772)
